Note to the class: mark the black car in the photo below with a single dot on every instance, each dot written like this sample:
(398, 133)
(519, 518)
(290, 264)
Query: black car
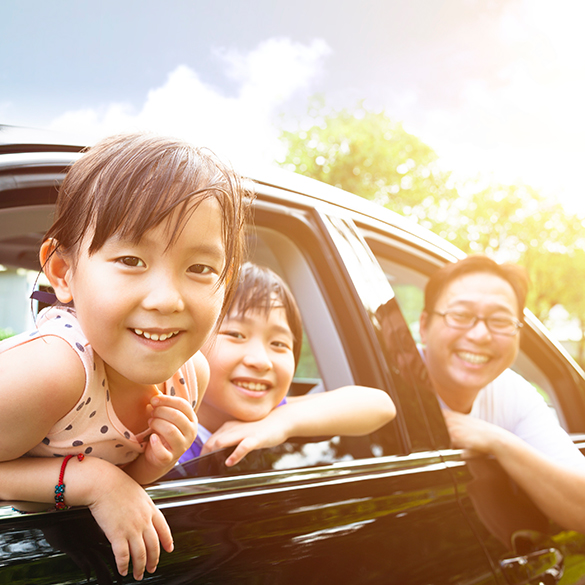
(398, 506)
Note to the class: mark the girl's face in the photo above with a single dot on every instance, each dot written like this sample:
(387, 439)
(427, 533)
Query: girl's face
(146, 309)
(252, 366)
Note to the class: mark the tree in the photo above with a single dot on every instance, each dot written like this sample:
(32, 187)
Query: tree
(365, 153)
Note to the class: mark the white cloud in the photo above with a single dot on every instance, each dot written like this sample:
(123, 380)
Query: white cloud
(241, 128)
(530, 126)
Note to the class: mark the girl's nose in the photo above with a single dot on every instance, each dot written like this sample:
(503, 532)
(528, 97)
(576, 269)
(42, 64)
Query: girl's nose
(163, 296)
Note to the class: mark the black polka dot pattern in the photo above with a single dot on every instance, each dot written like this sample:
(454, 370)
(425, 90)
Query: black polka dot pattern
(104, 430)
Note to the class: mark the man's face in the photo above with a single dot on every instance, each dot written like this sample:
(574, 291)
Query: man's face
(462, 361)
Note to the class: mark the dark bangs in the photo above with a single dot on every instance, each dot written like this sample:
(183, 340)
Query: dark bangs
(128, 184)
(260, 289)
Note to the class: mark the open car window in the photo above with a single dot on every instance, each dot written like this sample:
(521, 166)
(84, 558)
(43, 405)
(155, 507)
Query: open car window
(409, 283)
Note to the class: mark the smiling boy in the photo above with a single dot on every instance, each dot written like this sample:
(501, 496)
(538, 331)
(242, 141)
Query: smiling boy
(252, 361)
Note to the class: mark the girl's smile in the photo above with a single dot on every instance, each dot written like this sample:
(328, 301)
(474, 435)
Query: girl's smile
(147, 307)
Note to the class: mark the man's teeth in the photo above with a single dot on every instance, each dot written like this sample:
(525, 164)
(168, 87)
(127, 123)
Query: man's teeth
(255, 387)
(473, 358)
(155, 336)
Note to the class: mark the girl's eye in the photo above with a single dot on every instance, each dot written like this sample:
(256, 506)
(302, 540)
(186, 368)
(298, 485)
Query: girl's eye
(132, 261)
(201, 269)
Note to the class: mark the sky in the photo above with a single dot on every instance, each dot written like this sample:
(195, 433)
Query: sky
(495, 87)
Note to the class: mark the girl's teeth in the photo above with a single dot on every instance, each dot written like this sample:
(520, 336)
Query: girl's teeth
(155, 336)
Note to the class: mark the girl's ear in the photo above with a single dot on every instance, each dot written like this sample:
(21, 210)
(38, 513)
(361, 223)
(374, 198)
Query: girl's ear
(57, 268)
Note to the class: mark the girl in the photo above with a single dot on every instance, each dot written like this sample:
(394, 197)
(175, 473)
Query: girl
(252, 362)
(143, 256)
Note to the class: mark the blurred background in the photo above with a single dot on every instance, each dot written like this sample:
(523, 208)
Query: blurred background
(464, 115)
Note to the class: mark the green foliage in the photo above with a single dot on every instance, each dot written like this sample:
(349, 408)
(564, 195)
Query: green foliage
(366, 153)
(5, 333)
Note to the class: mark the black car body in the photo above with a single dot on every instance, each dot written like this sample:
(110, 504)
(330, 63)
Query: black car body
(398, 506)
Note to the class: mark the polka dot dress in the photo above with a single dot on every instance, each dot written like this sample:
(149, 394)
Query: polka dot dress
(92, 426)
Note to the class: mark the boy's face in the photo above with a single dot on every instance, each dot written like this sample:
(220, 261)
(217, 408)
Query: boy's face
(252, 365)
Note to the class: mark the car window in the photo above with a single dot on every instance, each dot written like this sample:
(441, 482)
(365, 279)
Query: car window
(324, 363)
(408, 284)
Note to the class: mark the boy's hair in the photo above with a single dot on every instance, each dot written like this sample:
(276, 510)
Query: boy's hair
(129, 183)
(261, 289)
(516, 276)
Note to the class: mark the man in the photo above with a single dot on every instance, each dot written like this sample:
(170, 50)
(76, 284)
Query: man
(470, 327)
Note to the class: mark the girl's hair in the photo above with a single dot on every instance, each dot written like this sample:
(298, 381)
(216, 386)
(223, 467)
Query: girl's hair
(129, 183)
(260, 289)
(516, 276)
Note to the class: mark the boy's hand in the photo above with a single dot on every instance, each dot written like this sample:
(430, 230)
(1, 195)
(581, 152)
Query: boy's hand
(248, 436)
(174, 426)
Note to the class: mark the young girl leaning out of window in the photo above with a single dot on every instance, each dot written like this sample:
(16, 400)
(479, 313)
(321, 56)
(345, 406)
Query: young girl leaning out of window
(101, 395)
(252, 361)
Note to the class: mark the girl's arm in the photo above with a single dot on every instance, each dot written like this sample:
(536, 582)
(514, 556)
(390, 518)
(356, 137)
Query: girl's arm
(122, 509)
(557, 489)
(174, 426)
(351, 410)
(30, 391)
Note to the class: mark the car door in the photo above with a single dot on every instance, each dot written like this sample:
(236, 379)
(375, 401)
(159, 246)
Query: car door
(523, 545)
(377, 509)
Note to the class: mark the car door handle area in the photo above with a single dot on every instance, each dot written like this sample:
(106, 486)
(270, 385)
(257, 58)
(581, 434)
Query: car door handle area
(542, 566)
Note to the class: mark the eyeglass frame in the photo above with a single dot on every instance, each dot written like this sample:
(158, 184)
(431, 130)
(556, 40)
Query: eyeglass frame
(517, 323)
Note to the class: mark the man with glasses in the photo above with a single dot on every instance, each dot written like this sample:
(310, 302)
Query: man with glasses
(470, 328)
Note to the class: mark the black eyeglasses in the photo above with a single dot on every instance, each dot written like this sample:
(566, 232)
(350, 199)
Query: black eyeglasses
(465, 320)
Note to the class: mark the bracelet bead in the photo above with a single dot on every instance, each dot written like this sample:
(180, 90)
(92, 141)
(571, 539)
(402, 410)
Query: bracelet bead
(60, 487)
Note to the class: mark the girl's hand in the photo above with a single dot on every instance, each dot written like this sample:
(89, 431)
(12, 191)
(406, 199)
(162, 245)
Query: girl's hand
(248, 436)
(174, 426)
(127, 515)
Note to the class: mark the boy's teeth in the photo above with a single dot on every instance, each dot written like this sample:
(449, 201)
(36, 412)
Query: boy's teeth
(155, 336)
(254, 387)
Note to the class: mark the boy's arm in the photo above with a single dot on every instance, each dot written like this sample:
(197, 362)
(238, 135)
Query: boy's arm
(351, 410)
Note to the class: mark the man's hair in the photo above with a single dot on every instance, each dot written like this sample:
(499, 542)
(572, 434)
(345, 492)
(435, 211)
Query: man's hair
(261, 289)
(516, 276)
(127, 184)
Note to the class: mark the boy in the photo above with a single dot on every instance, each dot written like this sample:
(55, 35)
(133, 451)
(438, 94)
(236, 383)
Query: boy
(252, 361)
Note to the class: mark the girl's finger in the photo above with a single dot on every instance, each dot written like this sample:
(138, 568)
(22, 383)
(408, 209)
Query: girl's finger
(173, 403)
(138, 554)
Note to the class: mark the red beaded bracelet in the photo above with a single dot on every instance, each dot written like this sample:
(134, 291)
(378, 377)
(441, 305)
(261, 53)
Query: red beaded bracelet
(60, 487)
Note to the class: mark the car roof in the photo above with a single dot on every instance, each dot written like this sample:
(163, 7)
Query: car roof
(26, 147)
